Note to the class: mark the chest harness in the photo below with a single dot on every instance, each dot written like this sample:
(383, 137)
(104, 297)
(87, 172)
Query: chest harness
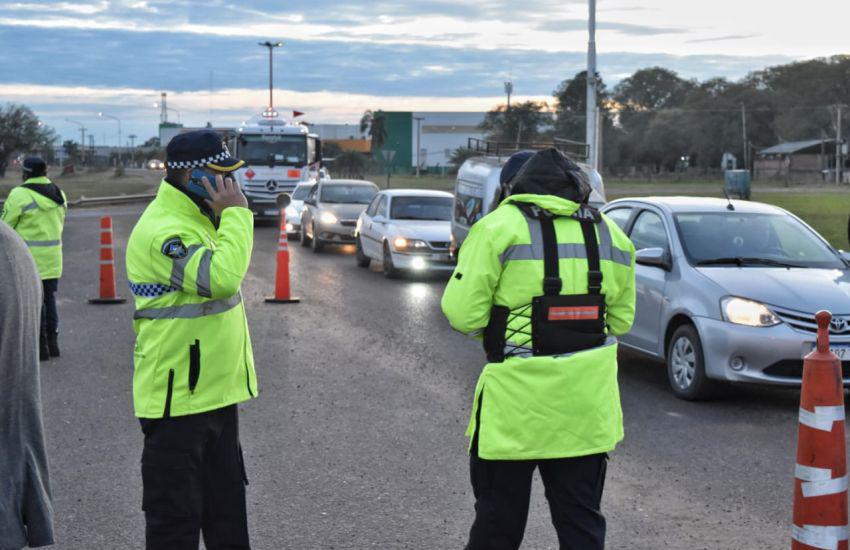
(560, 324)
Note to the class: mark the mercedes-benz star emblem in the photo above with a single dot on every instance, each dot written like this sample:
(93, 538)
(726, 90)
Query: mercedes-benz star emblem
(838, 324)
(271, 185)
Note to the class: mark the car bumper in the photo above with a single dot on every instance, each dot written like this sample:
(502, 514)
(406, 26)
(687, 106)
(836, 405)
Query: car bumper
(771, 355)
(441, 261)
(336, 233)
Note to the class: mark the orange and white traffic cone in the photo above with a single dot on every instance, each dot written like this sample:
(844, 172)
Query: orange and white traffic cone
(107, 266)
(282, 293)
(820, 484)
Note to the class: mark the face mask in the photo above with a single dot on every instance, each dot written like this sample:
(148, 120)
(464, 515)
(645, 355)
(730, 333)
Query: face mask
(196, 186)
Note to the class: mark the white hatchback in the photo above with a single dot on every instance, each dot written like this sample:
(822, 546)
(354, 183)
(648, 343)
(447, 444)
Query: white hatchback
(406, 230)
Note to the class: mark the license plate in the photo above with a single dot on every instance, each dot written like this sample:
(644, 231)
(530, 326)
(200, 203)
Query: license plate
(272, 212)
(842, 351)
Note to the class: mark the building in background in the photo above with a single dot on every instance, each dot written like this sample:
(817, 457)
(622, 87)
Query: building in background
(804, 161)
(439, 135)
(347, 136)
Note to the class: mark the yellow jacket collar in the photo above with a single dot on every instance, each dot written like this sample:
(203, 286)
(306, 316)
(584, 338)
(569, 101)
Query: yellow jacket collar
(40, 179)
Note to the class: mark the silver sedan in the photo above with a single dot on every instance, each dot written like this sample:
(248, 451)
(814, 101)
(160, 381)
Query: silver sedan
(729, 290)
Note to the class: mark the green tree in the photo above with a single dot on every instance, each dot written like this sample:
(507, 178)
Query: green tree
(71, 150)
(351, 164)
(523, 122)
(375, 123)
(151, 142)
(21, 133)
(460, 155)
(651, 89)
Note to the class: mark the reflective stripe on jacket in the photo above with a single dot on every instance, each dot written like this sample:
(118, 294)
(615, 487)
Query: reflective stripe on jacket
(528, 408)
(193, 351)
(39, 221)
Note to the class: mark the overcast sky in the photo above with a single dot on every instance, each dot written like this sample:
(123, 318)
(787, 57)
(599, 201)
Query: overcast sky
(72, 59)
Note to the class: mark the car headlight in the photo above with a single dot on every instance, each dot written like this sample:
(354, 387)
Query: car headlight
(747, 312)
(328, 218)
(400, 243)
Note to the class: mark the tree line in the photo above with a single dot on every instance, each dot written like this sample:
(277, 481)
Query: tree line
(657, 121)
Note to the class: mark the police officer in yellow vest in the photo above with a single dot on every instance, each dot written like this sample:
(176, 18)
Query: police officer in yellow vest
(548, 282)
(36, 210)
(186, 259)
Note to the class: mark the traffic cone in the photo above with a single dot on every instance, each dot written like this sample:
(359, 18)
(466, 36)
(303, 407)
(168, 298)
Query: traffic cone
(820, 484)
(281, 281)
(107, 266)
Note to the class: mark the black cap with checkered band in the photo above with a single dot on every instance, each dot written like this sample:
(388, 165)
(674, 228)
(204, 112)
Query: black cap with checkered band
(200, 149)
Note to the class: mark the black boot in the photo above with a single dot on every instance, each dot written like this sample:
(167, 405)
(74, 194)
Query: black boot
(43, 348)
(53, 344)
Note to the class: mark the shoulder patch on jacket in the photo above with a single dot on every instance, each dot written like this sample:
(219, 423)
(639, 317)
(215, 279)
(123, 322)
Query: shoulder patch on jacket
(175, 249)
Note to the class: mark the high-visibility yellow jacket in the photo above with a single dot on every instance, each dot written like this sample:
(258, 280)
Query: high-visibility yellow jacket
(527, 407)
(193, 351)
(39, 221)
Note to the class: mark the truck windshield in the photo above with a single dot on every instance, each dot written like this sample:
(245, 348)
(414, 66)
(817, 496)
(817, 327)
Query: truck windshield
(282, 150)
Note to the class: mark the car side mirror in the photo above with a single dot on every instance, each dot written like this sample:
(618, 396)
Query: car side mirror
(379, 219)
(655, 257)
(283, 200)
(309, 201)
(844, 256)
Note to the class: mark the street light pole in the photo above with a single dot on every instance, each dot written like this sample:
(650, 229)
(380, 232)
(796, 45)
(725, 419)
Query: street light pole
(591, 138)
(418, 120)
(116, 119)
(271, 46)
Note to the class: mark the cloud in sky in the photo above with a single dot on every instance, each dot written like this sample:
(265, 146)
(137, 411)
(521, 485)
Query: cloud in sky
(429, 54)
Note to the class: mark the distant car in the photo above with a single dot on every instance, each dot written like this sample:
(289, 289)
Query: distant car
(296, 206)
(406, 230)
(729, 290)
(156, 164)
(331, 209)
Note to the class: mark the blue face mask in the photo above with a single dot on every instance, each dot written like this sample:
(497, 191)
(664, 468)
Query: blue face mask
(196, 186)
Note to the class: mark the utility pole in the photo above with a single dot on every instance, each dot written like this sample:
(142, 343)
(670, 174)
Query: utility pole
(744, 126)
(839, 162)
(418, 120)
(509, 89)
(82, 137)
(591, 138)
(271, 46)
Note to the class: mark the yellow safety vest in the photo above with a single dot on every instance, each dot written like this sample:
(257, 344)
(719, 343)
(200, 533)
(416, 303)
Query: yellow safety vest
(193, 351)
(538, 407)
(39, 221)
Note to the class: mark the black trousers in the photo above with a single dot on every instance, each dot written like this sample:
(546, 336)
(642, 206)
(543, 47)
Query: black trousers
(502, 490)
(49, 315)
(194, 481)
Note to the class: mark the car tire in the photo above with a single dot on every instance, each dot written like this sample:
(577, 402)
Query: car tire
(316, 245)
(686, 365)
(361, 258)
(390, 270)
(305, 240)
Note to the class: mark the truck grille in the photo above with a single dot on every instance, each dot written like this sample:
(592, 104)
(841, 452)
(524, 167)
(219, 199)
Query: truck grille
(258, 189)
(805, 322)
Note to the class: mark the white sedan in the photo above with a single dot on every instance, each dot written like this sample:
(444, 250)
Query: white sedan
(406, 230)
(296, 206)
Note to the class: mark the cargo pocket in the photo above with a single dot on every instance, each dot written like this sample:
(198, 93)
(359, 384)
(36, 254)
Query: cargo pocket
(171, 483)
(194, 365)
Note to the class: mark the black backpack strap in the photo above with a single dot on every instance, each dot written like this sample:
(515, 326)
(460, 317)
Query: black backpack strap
(591, 247)
(551, 274)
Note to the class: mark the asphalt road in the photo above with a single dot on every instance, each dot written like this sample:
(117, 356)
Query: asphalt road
(356, 440)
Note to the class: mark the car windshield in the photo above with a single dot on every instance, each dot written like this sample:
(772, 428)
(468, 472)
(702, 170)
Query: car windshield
(752, 239)
(349, 194)
(301, 192)
(267, 149)
(422, 208)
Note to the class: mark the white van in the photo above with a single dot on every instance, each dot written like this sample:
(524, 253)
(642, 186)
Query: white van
(477, 191)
